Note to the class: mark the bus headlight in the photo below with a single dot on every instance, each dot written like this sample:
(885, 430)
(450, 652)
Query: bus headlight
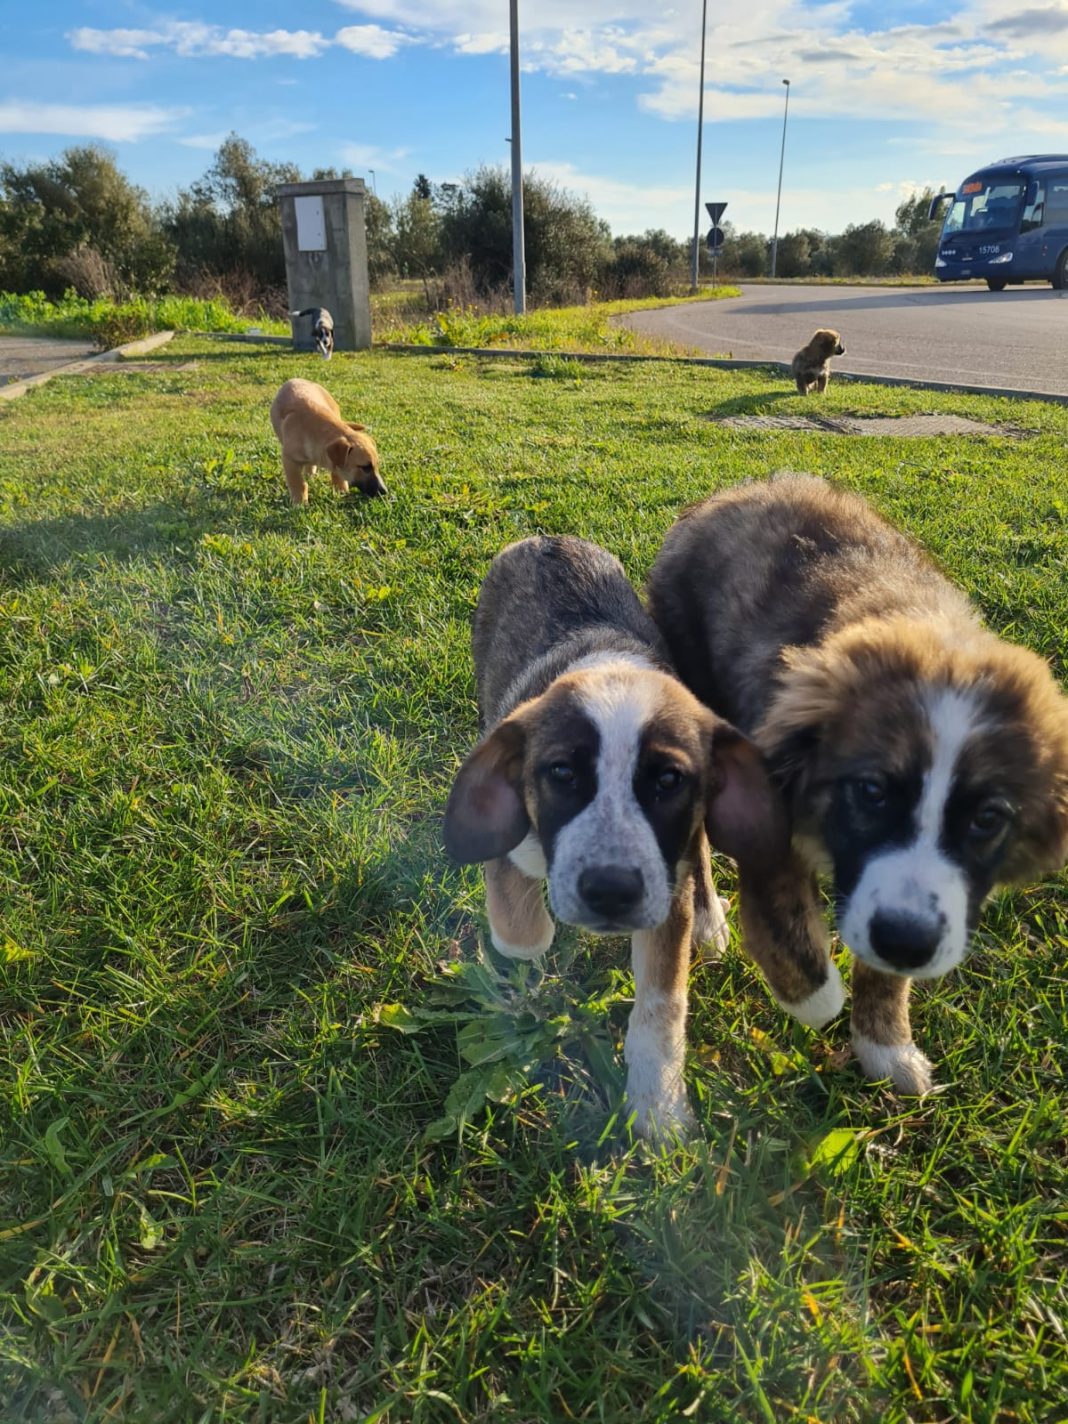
(1005, 257)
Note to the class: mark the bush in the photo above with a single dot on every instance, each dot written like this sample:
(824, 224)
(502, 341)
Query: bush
(109, 324)
(567, 246)
(228, 221)
(78, 203)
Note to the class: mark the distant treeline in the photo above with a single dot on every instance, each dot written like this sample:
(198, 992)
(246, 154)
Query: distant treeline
(77, 221)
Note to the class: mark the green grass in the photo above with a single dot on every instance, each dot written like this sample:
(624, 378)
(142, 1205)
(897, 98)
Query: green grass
(579, 328)
(108, 323)
(228, 731)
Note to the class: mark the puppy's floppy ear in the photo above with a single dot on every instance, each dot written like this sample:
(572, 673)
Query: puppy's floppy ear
(337, 451)
(745, 816)
(485, 816)
(352, 426)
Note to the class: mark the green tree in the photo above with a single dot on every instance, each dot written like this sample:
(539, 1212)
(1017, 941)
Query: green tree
(864, 250)
(416, 232)
(228, 222)
(743, 254)
(921, 233)
(79, 203)
(567, 245)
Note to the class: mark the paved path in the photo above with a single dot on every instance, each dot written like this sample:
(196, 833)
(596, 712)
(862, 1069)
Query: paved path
(1016, 339)
(22, 356)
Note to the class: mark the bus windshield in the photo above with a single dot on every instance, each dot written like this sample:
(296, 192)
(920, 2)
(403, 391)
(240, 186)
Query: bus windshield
(983, 204)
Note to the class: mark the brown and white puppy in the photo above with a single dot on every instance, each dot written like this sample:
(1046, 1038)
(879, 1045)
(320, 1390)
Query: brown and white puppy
(923, 760)
(811, 367)
(600, 774)
(307, 420)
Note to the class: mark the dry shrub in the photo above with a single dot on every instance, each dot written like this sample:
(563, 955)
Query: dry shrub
(241, 290)
(90, 274)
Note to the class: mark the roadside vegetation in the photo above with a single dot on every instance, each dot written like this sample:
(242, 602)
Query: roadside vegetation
(75, 223)
(279, 1140)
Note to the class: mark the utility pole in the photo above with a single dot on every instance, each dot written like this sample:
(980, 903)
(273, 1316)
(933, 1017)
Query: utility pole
(519, 258)
(694, 283)
(778, 196)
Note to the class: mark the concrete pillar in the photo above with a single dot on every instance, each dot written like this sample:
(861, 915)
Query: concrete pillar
(326, 258)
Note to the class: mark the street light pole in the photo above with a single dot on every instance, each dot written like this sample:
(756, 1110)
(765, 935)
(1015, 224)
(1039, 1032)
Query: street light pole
(519, 259)
(374, 182)
(778, 196)
(694, 283)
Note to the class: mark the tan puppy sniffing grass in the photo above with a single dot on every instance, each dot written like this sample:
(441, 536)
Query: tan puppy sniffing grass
(312, 434)
(599, 774)
(811, 367)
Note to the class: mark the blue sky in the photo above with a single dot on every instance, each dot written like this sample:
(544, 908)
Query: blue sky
(884, 97)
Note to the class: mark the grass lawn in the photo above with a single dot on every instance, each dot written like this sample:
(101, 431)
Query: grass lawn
(228, 731)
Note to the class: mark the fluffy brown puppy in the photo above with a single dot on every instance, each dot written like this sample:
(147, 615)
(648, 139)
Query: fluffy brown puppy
(922, 760)
(811, 367)
(312, 434)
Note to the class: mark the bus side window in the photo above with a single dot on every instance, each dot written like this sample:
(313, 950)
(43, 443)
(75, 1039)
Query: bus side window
(1034, 210)
(1058, 199)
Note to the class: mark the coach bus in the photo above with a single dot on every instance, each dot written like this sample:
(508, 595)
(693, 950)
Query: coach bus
(1007, 223)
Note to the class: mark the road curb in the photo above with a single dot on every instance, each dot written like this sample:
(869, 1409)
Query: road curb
(131, 348)
(725, 363)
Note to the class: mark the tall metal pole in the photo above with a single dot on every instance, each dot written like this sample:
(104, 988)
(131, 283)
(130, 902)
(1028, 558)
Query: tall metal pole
(778, 196)
(694, 283)
(519, 258)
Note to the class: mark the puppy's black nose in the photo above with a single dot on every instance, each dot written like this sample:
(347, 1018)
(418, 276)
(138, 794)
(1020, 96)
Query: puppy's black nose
(903, 940)
(375, 485)
(839, 350)
(611, 890)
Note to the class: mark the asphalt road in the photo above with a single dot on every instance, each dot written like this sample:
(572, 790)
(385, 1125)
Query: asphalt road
(1016, 339)
(22, 356)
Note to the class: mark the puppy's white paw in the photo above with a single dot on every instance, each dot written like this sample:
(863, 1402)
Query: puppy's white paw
(523, 951)
(824, 1004)
(656, 1092)
(711, 933)
(910, 1071)
(660, 1116)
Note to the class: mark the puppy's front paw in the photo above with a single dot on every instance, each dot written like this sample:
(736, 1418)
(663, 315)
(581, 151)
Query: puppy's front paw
(711, 933)
(823, 1004)
(660, 1116)
(910, 1071)
(523, 951)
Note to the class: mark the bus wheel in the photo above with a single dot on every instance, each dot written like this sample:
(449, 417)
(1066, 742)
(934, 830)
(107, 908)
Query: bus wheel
(1060, 272)
(997, 284)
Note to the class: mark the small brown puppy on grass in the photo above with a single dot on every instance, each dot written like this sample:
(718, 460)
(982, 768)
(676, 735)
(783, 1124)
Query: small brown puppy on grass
(811, 367)
(312, 434)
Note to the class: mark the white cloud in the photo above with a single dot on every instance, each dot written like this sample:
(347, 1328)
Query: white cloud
(205, 140)
(192, 38)
(372, 41)
(366, 156)
(117, 123)
(195, 39)
(956, 72)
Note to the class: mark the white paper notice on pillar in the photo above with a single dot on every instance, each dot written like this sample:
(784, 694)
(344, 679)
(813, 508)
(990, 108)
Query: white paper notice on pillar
(311, 225)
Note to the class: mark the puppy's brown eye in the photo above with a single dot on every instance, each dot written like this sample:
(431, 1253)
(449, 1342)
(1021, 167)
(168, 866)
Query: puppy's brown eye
(668, 780)
(871, 792)
(562, 773)
(990, 818)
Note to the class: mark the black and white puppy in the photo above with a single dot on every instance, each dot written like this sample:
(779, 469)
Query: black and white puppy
(322, 329)
(600, 774)
(922, 759)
